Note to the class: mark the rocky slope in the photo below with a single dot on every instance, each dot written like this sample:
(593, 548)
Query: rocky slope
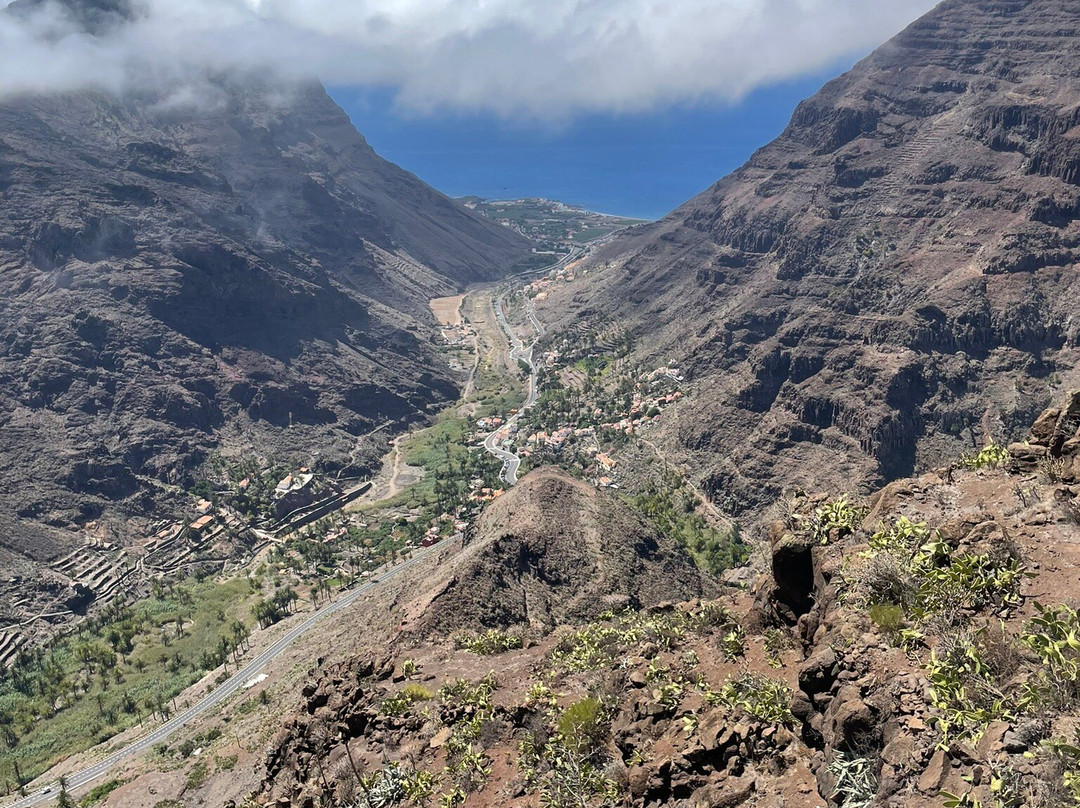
(235, 271)
(554, 550)
(895, 653)
(887, 284)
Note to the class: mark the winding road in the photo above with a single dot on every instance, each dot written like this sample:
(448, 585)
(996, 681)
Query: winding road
(235, 683)
(519, 352)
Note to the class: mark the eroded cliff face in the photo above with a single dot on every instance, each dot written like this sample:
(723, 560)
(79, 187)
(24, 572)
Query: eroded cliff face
(237, 271)
(891, 280)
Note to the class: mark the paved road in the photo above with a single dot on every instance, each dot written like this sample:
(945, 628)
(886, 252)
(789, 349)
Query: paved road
(213, 699)
(519, 352)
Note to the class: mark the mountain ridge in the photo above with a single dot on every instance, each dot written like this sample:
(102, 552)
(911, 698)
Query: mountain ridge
(241, 275)
(866, 291)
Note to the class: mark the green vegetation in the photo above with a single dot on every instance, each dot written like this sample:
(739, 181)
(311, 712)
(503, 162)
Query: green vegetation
(100, 792)
(563, 758)
(912, 567)
(833, 520)
(120, 669)
(1054, 636)
(962, 688)
(399, 703)
(581, 726)
(597, 645)
(775, 641)
(1066, 759)
(490, 642)
(759, 696)
(889, 619)
(991, 457)
(672, 508)
(733, 643)
(444, 452)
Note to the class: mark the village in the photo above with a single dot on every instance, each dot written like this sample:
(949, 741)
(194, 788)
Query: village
(592, 400)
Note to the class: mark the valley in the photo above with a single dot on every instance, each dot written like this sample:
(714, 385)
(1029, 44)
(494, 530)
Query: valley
(296, 541)
(326, 490)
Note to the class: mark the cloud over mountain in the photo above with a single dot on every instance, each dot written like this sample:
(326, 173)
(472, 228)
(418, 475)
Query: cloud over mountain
(548, 59)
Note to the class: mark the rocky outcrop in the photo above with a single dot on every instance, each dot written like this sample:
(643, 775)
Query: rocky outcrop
(1053, 445)
(554, 550)
(834, 701)
(885, 286)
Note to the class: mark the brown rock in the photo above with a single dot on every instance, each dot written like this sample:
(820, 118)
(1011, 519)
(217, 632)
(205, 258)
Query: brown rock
(900, 752)
(440, 738)
(1043, 428)
(730, 793)
(1026, 457)
(817, 674)
(932, 779)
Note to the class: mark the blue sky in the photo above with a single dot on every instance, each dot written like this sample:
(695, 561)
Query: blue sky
(641, 165)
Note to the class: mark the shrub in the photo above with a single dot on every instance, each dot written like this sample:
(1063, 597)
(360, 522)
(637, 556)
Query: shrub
(1054, 635)
(470, 694)
(776, 640)
(400, 702)
(833, 520)
(733, 643)
(856, 785)
(762, 697)
(992, 456)
(489, 643)
(904, 536)
(889, 618)
(711, 615)
(961, 687)
(581, 726)
(598, 644)
(885, 578)
(100, 792)
(197, 774)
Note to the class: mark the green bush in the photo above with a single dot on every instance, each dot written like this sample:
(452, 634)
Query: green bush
(100, 792)
(993, 456)
(834, 520)
(888, 617)
(763, 698)
(1054, 635)
(733, 643)
(581, 725)
(489, 643)
(400, 702)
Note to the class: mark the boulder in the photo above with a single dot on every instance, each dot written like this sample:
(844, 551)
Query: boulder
(1043, 428)
(1026, 457)
(817, 674)
(727, 794)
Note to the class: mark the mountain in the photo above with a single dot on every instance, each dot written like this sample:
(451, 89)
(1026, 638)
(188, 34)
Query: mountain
(891, 281)
(234, 271)
(553, 550)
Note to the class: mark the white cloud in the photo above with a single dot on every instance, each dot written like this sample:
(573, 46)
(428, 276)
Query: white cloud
(534, 58)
